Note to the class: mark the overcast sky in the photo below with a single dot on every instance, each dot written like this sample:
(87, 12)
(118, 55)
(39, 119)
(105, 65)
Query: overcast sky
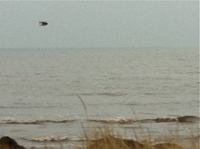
(99, 24)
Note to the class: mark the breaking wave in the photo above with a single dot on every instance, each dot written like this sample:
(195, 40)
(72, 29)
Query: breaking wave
(35, 121)
(65, 138)
(48, 138)
(180, 119)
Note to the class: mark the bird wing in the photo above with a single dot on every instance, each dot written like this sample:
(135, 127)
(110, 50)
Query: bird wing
(43, 23)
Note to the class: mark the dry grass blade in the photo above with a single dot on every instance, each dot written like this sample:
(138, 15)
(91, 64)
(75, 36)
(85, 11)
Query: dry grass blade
(84, 105)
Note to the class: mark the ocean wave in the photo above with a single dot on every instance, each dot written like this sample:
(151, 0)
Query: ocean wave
(9, 121)
(140, 139)
(114, 120)
(48, 138)
(65, 138)
(28, 106)
(102, 94)
(180, 119)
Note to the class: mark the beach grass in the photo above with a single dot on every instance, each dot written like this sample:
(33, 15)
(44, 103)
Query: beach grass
(108, 138)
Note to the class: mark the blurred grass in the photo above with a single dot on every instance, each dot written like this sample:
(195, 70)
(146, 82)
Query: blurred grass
(108, 138)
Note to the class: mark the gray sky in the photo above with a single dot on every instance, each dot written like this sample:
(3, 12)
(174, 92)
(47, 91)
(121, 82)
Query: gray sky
(99, 24)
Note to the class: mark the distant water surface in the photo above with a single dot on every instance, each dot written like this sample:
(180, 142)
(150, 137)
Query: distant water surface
(43, 84)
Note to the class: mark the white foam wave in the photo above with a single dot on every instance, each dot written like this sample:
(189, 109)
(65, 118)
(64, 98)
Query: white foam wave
(48, 138)
(181, 119)
(11, 121)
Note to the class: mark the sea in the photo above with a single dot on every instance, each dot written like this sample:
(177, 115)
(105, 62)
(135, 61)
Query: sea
(59, 94)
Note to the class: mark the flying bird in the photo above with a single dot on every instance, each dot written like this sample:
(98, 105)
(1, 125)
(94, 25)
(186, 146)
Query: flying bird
(43, 23)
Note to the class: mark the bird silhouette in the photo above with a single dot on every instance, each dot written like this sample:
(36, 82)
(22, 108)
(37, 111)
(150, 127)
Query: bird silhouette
(43, 23)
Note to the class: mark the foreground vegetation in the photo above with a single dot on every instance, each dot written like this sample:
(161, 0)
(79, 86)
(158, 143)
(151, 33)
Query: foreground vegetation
(107, 139)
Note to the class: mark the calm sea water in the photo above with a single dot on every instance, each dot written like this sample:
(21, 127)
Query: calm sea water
(43, 84)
